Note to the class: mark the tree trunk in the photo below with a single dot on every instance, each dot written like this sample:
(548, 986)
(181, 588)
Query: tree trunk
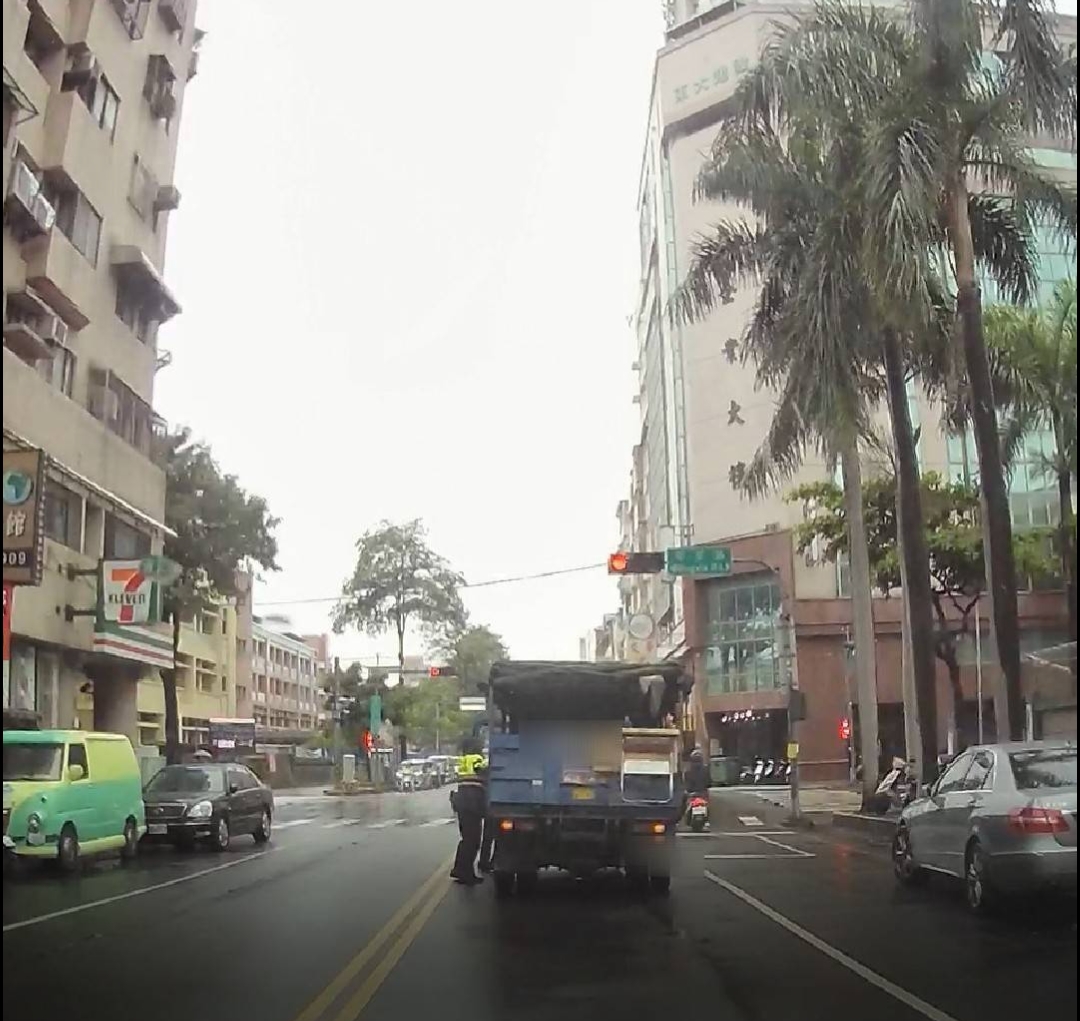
(997, 524)
(912, 740)
(862, 613)
(172, 709)
(915, 553)
(1065, 548)
(945, 648)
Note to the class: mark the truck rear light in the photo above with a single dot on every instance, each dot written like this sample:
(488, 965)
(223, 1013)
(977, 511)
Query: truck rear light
(1035, 820)
(652, 828)
(506, 825)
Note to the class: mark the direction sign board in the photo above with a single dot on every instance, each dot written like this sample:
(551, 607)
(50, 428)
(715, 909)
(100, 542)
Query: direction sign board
(698, 560)
(472, 704)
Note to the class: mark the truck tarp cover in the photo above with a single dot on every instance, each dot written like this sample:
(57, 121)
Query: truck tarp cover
(643, 693)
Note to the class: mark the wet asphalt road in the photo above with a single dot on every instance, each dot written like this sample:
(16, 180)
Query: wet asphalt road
(348, 914)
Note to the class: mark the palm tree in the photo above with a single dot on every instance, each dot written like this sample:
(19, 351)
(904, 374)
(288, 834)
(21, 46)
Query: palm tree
(808, 342)
(946, 174)
(1033, 352)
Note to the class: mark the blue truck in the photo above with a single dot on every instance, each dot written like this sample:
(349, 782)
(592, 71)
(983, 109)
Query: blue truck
(584, 770)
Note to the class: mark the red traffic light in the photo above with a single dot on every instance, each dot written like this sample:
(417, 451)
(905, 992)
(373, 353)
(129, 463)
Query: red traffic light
(845, 729)
(440, 671)
(369, 741)
(635, 563)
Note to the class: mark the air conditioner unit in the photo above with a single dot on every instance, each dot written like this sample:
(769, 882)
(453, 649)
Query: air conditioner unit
(24, 185)
(53, 328)
(167, 197)
(84, 68)
(163, 104)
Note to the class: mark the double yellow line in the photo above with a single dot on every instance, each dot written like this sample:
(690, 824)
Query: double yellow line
(416, 911)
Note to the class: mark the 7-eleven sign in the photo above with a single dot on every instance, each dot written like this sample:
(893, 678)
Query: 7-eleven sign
(128, 595)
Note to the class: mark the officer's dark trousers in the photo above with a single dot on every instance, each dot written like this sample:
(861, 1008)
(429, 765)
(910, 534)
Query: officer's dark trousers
(471, 827)
(487, 844)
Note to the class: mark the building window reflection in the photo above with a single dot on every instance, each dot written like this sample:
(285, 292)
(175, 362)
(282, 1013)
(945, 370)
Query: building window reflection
(743, 627)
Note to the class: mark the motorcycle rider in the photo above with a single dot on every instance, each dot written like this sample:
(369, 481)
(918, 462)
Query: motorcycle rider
(696, 779)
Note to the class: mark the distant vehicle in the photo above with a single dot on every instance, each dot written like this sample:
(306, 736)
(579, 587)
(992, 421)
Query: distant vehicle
(207, 801)
(443, 769)
(1000, 817)
(70, 793)
(413, 775)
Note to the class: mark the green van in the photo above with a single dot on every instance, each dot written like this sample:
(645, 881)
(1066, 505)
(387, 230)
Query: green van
(69, 793)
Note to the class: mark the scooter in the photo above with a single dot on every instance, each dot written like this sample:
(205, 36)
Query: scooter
(759, 770)
(898, 786)
(698, 812)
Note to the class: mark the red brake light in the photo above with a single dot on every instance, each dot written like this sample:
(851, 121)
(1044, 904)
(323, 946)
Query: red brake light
(1033, 820)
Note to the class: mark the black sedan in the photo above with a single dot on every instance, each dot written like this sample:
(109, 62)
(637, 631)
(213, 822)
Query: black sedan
(211, 802)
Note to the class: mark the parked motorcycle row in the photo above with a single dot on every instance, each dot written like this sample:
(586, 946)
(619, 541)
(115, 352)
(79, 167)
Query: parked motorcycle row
(766, 771)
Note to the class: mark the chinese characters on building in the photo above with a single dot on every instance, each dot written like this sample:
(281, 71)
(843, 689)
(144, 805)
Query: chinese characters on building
(720, 76)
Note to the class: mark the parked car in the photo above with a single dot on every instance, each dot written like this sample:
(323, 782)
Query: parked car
(70, 793)
(207, 801)
(1000, 817)
(442, 769)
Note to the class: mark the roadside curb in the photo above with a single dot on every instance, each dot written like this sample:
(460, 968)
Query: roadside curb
(860, 822)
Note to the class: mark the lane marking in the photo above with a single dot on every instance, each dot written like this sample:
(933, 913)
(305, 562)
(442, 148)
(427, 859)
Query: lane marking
(750, 820)
(342, 822)
(751, 857)
(737, 833)
(928, 1010)
(38, 919)
(388, 822)
(787, 847)
(290, 823)
(356, 1003)
(435, 822)
(333, 990)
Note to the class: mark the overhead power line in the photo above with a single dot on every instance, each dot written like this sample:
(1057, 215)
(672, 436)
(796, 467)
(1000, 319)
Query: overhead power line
(489, 583)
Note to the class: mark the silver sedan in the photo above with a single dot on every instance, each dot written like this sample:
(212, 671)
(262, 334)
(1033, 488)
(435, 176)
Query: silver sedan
(1000, 817)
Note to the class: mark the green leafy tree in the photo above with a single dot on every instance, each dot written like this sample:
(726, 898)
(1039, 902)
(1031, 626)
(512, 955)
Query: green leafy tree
(220, 529)
(956, 558)
(470, 654)
(948, 173)
(1033, 351)
(398, 582)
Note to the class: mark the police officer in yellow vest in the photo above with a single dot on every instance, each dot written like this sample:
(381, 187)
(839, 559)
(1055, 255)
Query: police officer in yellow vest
(470, 805)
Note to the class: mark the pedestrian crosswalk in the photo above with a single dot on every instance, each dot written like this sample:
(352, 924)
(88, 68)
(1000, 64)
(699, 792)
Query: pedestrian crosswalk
(368, 824)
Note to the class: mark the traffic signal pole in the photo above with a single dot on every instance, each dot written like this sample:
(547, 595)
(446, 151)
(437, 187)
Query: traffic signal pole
(339, 772)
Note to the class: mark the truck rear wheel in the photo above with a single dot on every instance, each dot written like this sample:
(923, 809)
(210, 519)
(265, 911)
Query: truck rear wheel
(660, 885)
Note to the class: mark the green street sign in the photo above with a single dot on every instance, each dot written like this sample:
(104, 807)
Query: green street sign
(375, 714)
(698, 560)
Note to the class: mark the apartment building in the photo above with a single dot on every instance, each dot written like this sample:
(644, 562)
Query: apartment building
(286, 682)
(206, 679)
(93, 94)
(779, 618)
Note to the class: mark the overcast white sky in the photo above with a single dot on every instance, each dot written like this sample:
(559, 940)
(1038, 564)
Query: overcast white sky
(406, 251)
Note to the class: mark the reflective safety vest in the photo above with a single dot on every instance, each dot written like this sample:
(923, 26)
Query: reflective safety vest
(468, 766)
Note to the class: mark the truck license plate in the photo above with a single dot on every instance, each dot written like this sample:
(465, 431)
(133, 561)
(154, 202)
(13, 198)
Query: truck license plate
(157, 829)
(582, 794)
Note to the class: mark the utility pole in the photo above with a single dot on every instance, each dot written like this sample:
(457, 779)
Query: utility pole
(337, 720)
